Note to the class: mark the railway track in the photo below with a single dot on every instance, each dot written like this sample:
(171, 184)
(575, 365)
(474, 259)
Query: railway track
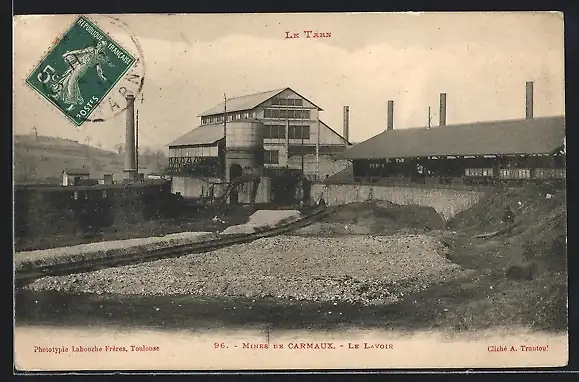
(24, 277)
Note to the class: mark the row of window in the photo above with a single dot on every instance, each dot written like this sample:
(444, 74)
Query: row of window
(286, 114)
(478, 172)
(517, 173)
(203, 154)
(279, 131)
(230, 117)
(193, 152)
(268, 113)
(384, 164)
(311, 150)
(287, 101)
(208, 167)
(272, 156)
(194, 160)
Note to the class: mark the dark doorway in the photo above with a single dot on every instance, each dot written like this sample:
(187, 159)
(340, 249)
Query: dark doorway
(284, 187)
(235, 171)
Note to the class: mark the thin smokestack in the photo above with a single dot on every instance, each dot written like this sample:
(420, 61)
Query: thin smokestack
(130, 165)
(529, 100)
(347, 123)
(442, 114)
(287, 134)
(390, 121)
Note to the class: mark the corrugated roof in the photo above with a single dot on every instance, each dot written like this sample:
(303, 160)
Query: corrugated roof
(202, 135)
(247, 102)
(520, 136)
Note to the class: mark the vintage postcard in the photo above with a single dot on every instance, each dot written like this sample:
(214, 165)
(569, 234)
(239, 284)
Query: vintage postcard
(289, 191)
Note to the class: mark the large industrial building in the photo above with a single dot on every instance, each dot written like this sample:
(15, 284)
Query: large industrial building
(292, 136)
(511, 150)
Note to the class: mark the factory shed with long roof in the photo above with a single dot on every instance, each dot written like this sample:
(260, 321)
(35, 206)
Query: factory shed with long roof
(542, 135)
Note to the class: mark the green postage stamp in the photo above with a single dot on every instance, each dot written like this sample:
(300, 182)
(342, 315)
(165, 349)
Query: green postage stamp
(80, 70)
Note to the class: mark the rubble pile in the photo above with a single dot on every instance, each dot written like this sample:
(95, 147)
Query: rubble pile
(355, 269)
(376, 218)
(264, 219)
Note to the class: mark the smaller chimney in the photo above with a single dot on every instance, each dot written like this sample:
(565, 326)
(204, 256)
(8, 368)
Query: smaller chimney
(390, 121)
(130, 166)
(346, 123)
(529, 101)
(442, 114)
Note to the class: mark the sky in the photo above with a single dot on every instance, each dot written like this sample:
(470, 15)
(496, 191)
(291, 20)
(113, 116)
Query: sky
(481, 60)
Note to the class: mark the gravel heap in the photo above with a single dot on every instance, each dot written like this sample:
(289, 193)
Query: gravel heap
(264, 218)
(356, 269)
(375, 218)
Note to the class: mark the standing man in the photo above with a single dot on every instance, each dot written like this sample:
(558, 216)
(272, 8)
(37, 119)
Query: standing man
(508, 218)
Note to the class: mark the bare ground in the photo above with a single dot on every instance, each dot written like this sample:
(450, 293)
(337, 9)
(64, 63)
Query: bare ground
(485, 298)
(481, 301)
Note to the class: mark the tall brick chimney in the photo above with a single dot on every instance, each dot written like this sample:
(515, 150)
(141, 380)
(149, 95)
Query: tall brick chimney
(130, 165)
(442, 114)
(390, 120)
(529, 101)
(347, 123)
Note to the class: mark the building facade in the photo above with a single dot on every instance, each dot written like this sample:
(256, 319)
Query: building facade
(292, 129)
(74, 177)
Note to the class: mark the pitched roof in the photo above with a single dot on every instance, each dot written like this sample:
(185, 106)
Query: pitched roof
(202, 135)
(520, 136)
(246, 102)
(335, 132)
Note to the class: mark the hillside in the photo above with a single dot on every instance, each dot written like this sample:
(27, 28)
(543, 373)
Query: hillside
(41, 159)
(523, 273)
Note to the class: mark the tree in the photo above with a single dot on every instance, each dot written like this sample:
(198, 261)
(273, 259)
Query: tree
(160, 159)
(153, 159)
